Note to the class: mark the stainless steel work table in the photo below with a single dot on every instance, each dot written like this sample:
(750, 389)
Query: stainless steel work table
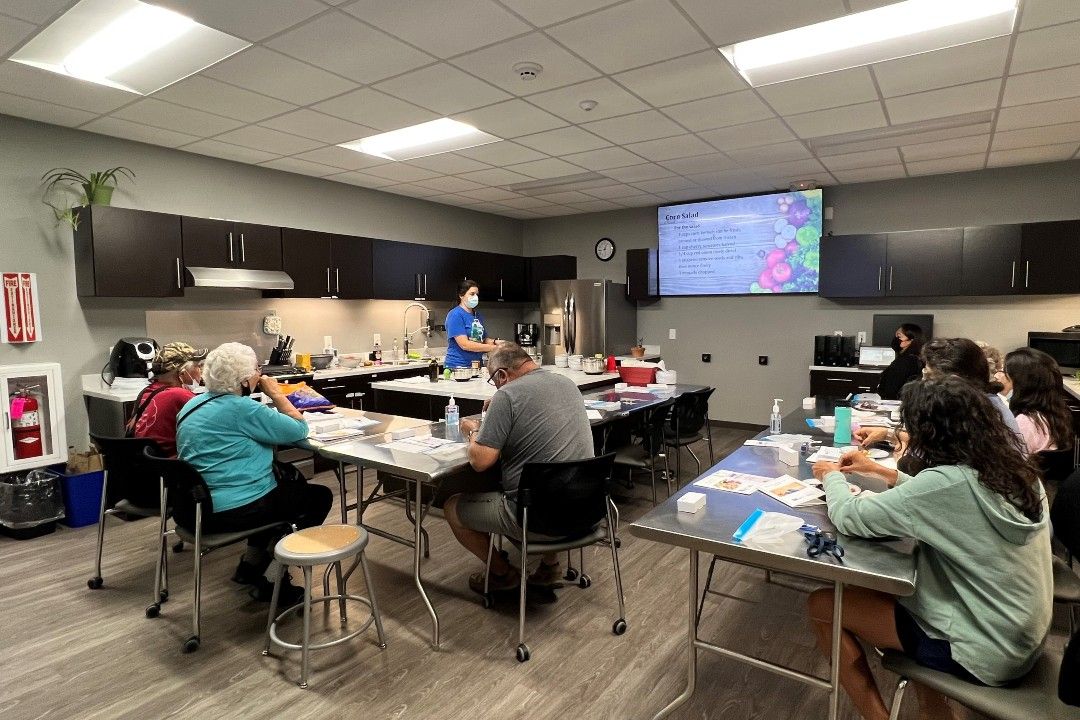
(886, 566)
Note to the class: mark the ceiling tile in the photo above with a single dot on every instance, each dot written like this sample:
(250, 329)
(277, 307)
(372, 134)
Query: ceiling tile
(763, 132)
(730, 181)
(662, 185)
(203, 93)
(640, 200)
(1041, 86)
(563, 141)
(35, 11)
(941, 166)
(696, 193)
(702, 74)
(496, 65)
(372, 55)
(699, 164)
(669, 148)
(442, 28)
(1033, 155)
(872, 174)
(510, 119)
(546, 169)
(611, 100)
(261, 138)
(448, 164)
(947, 148)
(765, 154)
(808, 169)
(12, 32)
(317, 126)
(502, 153)
(604, 158)
(942, 103)
(635, 33)
(838, 120)
(301, 167)
(634, 173)
(1036, 114)
(496, 176)
(174, 117)
(458, 200)
(647, 125)
(413, 190)
(1039, 13)
(613, 192)
(279, 76)
(401, 172)
(731, 109)
(489, 194)
(138, 132)
(596, 206)
(228, 151)
(525, 203)
(1030, 137)
(566, 197)
(546, 12)
(942, 68)
(727, 22)
(29, 82)
(339, 157)
(845, 87)
(42, 111)
(868, 158)
(442, 88)
(375, 109)
(249, 19)
(1045, 48)
(362, 180)
(449, 184)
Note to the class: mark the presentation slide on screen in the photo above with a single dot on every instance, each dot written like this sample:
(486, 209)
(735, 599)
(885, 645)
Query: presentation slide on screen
(741, 246)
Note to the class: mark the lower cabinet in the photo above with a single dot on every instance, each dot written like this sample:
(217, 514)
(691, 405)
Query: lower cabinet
(841, 383)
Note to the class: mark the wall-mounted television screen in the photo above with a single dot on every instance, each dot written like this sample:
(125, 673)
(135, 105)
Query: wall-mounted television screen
(741, 246)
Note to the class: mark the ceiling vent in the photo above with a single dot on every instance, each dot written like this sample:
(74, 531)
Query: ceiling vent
(581, 181)
(945, 128)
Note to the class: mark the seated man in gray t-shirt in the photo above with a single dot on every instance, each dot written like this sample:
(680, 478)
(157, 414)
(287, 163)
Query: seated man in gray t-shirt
(535, 416)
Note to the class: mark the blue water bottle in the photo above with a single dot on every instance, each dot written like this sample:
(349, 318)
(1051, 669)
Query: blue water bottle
(842, 431)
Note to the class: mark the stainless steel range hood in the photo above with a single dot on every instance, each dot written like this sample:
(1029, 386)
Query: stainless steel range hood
(239, 278)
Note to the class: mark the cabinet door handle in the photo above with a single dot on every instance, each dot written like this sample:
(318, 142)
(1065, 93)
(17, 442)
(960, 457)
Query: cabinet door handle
(880, 272)
(1012, 282)
(890, 277)
(843, 380)
(7, 420)
(628, 285)
(327, 281)
(243, 255)
(500, 287)
(337, 280)
(1027, 272)
(332, 387)
(425, 284)
(230, 248)
(179, 277)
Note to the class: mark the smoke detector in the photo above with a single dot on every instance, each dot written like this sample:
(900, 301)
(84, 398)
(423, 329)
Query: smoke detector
(802, 185)
(588, 105)
(528, 71)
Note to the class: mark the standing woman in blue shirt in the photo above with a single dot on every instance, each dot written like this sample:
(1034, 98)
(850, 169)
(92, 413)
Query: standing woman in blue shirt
(466, 338)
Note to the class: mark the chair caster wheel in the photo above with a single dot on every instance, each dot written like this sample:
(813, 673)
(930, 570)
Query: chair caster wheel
(488, 601)
(191, 644)
(571, 574)
(618, 542)
(619, 627)
(178, 547)
(523, 653)
(584, 581)
(94, 583)
(153, 611)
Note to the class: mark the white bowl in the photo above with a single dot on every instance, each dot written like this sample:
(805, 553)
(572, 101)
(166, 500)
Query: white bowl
(561, 361)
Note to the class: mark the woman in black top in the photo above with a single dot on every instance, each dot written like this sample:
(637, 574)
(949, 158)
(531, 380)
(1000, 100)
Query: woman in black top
(907, 366)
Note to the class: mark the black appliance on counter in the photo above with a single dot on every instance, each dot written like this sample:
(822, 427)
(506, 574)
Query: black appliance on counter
(290, 373)
(131, 357)
(836, 350)
(526, 334)
(1064, 347)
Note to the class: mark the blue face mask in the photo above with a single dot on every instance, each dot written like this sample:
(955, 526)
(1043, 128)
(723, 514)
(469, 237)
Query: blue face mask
(472, 301)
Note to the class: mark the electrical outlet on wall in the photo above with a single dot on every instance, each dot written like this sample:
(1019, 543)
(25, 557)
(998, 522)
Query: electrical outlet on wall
(862, 337)
(671, 334)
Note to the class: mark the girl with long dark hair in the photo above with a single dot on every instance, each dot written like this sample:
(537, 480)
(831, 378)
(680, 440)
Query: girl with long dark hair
(983, 600)
(907, 343)
(1037, 402)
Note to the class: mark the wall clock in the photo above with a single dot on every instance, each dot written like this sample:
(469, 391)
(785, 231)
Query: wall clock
(605, 249)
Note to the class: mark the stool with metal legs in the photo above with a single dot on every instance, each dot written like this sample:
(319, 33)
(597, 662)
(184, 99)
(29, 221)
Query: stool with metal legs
(322, 545)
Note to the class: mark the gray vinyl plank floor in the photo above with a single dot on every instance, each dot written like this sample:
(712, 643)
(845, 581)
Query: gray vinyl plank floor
(69, 652)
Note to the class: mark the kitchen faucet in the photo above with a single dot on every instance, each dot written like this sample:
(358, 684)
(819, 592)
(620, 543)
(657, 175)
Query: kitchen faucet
(426, 327)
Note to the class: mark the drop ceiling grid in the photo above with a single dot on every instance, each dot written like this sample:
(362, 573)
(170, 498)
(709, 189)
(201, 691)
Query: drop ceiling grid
(291, 149)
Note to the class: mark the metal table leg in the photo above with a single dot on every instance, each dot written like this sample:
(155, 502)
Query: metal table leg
(417, 553)
(691, 649)
(837, 629)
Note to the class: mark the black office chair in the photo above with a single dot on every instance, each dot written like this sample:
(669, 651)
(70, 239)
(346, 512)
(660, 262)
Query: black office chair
(131, 488)
(643, 455)
(1055, 465)
(566, 500)
(191, 502)
(689, 418)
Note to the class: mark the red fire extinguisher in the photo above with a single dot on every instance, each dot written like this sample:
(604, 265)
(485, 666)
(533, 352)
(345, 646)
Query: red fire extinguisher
(26, 426)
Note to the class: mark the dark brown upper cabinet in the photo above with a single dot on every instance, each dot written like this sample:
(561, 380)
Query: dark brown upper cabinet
(128, 253)
(923, 262)
(224, 243)
(547, 267)
(326, 265)
(642, 281)
(852, 266)
(992, 262)
(1050, 254)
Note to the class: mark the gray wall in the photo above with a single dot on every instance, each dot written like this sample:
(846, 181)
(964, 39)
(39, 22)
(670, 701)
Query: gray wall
(736, 330)
(77, 333)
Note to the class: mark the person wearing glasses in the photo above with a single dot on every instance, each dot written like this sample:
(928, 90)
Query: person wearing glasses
(535, 416)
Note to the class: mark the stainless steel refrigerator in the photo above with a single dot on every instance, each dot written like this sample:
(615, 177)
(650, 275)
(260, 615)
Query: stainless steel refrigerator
(585, 317)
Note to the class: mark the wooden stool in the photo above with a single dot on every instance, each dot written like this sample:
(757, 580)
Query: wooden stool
(322, 545)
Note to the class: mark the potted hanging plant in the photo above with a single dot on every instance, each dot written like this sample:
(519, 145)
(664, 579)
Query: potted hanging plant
(97, 189)
(639, 349)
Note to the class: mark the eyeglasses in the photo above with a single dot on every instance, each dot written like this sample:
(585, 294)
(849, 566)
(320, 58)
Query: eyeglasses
(491, 377)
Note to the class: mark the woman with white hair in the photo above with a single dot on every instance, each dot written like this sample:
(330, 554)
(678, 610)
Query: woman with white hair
(230, 439)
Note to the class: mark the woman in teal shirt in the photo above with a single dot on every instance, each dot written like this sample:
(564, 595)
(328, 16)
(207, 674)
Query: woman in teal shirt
(466, 337)
(230, 438)
(984, 581)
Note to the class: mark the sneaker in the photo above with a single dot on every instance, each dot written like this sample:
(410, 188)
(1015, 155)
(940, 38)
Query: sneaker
(546, 575)
(503, 583)
(248, 573)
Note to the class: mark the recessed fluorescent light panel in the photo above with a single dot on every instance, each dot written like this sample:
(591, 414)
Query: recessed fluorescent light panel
(885, 33)
(430, 138)
(128, 45)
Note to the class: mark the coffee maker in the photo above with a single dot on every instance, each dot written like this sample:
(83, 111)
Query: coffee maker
(527, 335)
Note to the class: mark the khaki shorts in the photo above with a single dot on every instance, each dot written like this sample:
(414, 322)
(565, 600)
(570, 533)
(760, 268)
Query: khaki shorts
(490, 512)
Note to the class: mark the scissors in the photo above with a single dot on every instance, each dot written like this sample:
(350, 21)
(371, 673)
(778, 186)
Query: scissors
(823, 544)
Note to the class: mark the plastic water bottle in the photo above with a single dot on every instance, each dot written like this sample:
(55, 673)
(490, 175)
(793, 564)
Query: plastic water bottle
(842, 431)
(452, 416)
(774, 418)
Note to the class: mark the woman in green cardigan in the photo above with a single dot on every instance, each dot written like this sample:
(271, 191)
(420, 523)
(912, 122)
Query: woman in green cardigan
(984, 588)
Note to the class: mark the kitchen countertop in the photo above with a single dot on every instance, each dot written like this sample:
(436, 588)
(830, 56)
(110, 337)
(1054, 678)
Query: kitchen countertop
(94, 386)
(367, 370)
(830, 368)
(1072, 386)
(479, 389)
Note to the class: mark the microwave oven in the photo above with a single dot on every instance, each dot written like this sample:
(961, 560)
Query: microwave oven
(1064, 347)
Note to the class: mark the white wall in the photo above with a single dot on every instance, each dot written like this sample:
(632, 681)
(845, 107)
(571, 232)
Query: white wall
(77, 333)
(736, 330)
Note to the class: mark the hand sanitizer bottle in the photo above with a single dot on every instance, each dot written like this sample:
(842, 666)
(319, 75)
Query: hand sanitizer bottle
(452, 416)
(774, 418)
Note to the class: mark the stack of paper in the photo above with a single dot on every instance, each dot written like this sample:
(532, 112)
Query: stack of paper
(601, 405)
(425, 445)
(830, 454)
(735, 482)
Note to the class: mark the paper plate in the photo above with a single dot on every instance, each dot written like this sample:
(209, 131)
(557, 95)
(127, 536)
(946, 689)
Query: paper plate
(877, 454)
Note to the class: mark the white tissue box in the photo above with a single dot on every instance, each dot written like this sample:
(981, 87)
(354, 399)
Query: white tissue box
(809, 403)
(788, 455)
(691, 502)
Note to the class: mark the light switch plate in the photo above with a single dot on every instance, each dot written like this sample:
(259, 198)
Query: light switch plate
(862, 337)
(671, 334)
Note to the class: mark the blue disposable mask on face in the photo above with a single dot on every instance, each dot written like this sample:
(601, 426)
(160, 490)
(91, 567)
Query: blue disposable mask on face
(472, 301)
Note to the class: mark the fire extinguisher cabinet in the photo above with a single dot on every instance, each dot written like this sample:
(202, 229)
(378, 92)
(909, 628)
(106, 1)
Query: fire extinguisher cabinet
(32, 404)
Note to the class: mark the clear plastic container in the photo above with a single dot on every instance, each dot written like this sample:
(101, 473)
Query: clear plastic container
(30, 498)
